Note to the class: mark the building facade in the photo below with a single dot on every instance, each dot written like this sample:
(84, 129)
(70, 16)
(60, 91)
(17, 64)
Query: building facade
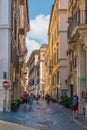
(19, 28)
(42, 73)
(32, 74)
(36, 66)
(57, 34)
(47, 73)
(5, 45)
(77, 50)
(14, 24)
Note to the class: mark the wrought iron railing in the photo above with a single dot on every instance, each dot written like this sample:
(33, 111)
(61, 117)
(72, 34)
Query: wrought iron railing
(79, 18)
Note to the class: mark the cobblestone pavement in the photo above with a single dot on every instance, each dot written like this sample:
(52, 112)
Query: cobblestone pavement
(46, 117)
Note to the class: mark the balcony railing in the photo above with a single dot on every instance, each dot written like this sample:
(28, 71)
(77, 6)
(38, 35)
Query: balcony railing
(79, 18)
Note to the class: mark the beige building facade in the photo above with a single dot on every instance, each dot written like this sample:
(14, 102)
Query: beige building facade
(42, 72)
(32, 72)
(77, 50)
(57, 34)
(36, 67)
(47, 73)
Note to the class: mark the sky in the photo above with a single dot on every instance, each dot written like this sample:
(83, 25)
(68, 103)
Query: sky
(39, 15)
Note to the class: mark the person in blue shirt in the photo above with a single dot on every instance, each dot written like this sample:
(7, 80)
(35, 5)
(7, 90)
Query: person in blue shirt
(75, 105)
(30, 101)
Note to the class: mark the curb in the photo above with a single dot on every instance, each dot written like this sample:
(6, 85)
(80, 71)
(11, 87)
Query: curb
(12, 126)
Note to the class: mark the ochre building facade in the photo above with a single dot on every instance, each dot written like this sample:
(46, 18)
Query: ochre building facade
(57, 34)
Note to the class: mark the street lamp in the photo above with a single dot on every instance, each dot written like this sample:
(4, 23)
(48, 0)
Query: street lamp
(58, 89)
(71, 85)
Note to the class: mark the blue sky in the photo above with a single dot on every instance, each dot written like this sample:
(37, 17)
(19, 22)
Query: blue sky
(39, 15)
(39, 7)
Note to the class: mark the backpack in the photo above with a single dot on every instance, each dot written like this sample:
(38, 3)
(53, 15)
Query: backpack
(75, 100)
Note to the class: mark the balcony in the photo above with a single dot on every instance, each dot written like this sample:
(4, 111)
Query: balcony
(21, 2)
(79, 20)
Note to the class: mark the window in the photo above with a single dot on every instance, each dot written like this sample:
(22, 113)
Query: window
(57, 53)
(86, 10)
(75, 62)
(4, 75)
(15, 29)
(70, 66)
(57, 77)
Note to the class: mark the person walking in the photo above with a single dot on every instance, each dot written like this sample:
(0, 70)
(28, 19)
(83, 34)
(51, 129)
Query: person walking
(25, 99)
(48, 99)
(75, 105)
(30, 101)
(37, 98)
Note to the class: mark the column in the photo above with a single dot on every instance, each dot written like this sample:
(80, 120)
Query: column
(79, 77)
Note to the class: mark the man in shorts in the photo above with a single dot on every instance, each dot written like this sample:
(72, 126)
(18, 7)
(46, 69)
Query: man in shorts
(75, 106)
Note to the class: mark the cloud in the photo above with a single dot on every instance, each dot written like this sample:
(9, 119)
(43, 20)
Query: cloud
(32, 45)
(38, 32)
(39, 28)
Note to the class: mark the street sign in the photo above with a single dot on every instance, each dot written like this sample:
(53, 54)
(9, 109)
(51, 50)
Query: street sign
(5, 84)
(83, 80)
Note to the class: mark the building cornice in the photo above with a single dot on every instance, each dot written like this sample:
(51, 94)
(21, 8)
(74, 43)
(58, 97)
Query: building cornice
(32, 55)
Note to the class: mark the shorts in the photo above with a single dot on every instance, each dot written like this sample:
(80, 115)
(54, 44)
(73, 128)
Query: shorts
(74, 108)
(25, 101)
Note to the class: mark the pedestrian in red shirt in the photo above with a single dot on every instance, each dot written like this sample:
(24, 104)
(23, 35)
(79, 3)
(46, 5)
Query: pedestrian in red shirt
(25, 97)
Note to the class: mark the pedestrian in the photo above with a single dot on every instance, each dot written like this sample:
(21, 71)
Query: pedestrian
(37, 98)
(75, 105)
(46, 96)
(48, 99)
(30, 101)
(25, 99)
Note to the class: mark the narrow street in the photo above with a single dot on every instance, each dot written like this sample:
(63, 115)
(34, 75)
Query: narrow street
(45, 116)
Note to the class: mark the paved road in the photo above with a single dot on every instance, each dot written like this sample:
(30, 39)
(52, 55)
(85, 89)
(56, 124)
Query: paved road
(46, 117)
